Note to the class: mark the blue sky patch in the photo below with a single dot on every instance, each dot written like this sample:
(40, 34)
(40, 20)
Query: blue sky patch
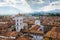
(1, 0)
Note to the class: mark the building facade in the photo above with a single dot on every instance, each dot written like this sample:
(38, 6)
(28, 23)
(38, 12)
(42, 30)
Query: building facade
(18, 22)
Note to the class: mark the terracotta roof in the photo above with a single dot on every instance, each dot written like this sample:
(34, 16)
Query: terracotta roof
(54, 33)
(6, 23)
(50, 20)
(10, 33)
(35, 27)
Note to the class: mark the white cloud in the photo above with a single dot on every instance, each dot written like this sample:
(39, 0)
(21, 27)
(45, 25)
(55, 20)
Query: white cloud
(51, 6)
(55, 3)
(23, 7)
(4, 3)
(38, 2)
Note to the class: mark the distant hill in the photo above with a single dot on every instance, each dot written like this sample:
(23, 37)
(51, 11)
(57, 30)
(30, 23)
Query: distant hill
(55, 11)
(52, 12)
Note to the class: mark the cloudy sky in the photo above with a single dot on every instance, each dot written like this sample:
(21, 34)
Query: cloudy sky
(27, 6)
